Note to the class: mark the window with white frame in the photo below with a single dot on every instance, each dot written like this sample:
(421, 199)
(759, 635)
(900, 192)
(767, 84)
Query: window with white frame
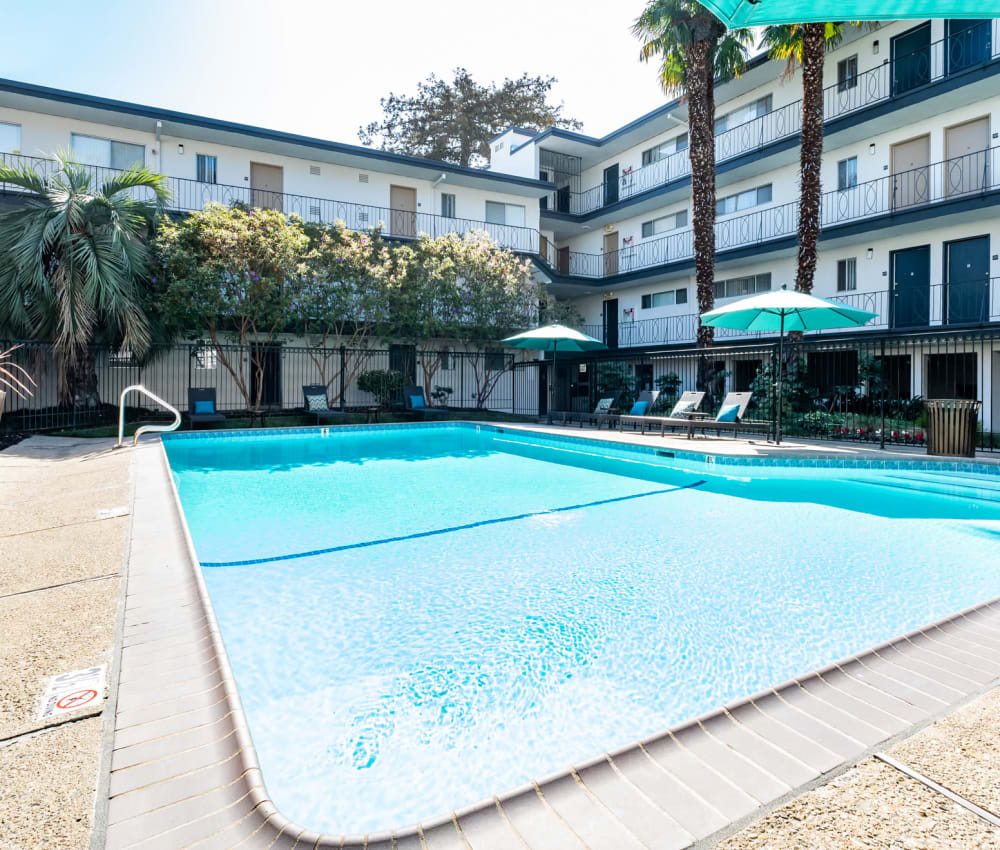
(847, 274)
(664, 149)
(206, 358)
(748, 112)
(747, 285)
(10, 137)
(498, 213)
(847, 73)
(207, 168)
(847, 173)
(447, 205)
(664, 224)
(91, 150)
(446, 359)
(744, 200)
(667, 298)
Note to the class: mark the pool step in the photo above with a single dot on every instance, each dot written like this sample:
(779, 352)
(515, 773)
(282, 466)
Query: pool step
(959, 488)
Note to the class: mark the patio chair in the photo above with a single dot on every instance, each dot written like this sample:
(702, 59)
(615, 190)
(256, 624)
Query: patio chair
(413, 401)
(639, 414)
(685, 408)
(315, 401)
(201, 407)
(729, 418)
(603, 408)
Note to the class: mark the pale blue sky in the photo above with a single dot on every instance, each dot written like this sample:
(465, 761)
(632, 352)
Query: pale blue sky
(320, 68)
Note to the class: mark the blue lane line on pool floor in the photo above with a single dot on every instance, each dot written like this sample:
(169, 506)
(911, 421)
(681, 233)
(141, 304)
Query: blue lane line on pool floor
(418, 534)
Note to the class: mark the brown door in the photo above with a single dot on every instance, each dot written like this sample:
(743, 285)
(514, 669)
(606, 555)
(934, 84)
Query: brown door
(610, 253)
(403, 211)
(910, 174)
(266, 186)
(543, 249)
(965, 148)
(564, 260)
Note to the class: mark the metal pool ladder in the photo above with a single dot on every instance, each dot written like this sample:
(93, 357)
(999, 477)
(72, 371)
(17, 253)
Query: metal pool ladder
(144, 429)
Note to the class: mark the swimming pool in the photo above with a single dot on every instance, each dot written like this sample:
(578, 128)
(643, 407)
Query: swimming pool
(420, 617)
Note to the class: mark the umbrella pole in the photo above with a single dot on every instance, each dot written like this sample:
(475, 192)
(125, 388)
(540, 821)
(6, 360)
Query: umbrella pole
(781, 366)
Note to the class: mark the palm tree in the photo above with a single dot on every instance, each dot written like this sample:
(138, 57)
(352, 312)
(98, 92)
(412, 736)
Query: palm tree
(694, 48)
(75, 261)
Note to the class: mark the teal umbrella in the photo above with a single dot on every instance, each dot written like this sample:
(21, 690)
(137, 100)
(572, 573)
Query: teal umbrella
(554, 338)
(752, 13)
(785, 310)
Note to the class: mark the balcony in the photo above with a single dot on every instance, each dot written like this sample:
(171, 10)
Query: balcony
(969, 176)
(972, 48)
(947, 305)
(191, 195)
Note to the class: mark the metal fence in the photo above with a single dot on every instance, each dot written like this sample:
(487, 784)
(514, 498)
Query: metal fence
(870, 391)
(494, 381)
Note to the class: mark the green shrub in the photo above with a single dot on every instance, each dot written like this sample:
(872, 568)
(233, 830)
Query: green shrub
(385, 384)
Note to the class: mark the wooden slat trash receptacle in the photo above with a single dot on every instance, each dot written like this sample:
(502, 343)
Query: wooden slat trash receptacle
(951, 426)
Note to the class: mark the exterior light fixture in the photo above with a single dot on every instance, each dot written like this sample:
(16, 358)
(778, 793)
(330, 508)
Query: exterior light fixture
(871, 149)
(870, 253)
(180, 150)
(875, 47)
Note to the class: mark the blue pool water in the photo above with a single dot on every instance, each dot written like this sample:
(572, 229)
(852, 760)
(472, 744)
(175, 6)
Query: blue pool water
(420, 618)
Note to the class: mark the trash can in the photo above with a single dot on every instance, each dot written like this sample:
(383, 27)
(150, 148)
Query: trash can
(951, 426)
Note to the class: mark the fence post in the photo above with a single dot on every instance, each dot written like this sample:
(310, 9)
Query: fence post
(881, 436)
(343, 364)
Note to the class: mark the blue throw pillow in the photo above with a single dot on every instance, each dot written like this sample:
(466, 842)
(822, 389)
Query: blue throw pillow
(728, 413)
(416, 401)
(206, 406)
(639, 408)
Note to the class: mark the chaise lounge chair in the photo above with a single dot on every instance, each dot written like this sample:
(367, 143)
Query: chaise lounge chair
(729, 418)
(685, 408)
(413, 401)
(201, 407)
(316, 401)
(639, 414)
(601, 411)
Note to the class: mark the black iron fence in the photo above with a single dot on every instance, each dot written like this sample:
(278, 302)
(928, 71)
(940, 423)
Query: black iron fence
(472, 381)
(960, 51)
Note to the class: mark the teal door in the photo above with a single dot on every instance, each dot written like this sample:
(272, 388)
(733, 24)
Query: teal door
(911, 59)
(911, 287)
(967, 43)
(967, 273)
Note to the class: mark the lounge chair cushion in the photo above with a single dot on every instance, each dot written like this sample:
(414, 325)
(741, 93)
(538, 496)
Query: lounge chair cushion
(729, 413)
(682, 407)
(204, 406)
(639, 408)
(317, 402)
(417, 402)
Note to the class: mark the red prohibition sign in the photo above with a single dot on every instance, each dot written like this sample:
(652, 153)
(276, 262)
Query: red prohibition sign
(76, 699)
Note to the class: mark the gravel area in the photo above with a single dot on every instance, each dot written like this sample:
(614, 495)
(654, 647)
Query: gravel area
(66, 509)
(47, 787)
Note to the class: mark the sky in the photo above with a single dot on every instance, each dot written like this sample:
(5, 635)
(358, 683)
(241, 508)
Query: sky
(320, 68)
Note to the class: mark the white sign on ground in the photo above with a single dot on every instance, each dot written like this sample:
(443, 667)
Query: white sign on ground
(72, 691)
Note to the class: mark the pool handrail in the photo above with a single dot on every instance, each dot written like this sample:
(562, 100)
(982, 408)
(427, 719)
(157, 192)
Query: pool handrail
(144, 429)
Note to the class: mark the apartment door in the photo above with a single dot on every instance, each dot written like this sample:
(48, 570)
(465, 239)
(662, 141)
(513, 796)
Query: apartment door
(611, 323)
(562, 260)
(965, 148)
(910, 172)
(562, 199)
(267, 359)
(911, 59)
(967, 43)
(611, 184)
(403, 358)
(403, 211)
(266, 186)
(610, 253)
(911, 287)
(967, 275)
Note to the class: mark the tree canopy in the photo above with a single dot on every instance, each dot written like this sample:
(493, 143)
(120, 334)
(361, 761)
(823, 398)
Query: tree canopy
(454, 121)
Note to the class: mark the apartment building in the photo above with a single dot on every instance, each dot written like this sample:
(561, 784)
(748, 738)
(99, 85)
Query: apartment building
(910, 215)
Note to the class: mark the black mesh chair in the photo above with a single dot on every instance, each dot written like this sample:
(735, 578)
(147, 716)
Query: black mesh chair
(310, 398)
(410, 391)
(201, 407)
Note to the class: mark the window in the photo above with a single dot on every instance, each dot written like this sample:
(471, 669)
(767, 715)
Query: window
(736, 286)
(743, 200)
(664, 149)
(123, 358)
(847, 73)
(207, 169)
(445, 358)
(497, 213)
(847, 173)
(91, 150)
(206, 358)
(748, 112)
(847, 274)
(494, 361)
(447, 205)
(10, 138)
(664, 224)
(664, 299)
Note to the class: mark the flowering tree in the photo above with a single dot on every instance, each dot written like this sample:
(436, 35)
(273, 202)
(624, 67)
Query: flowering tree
(343, 298)
(234, 274)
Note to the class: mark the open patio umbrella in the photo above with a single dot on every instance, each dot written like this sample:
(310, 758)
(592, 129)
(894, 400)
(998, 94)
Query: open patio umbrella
(752, 13)
(554, 338)
(785, 310)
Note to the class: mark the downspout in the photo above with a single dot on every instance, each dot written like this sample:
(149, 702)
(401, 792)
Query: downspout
(434, 204)
(159, 146)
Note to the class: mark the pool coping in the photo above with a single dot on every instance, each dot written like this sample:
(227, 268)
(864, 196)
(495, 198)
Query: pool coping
(157, 627)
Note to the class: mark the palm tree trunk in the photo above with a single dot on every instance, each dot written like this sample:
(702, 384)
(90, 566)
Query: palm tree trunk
(81, 379)
(813, 54)
(701, 132)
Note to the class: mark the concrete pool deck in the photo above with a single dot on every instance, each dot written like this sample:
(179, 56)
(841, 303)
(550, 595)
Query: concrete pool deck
(773, 771)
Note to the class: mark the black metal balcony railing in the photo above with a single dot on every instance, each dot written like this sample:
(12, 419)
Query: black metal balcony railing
(956, 304)
(975, 46)
(935, 183)
(191, 195)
